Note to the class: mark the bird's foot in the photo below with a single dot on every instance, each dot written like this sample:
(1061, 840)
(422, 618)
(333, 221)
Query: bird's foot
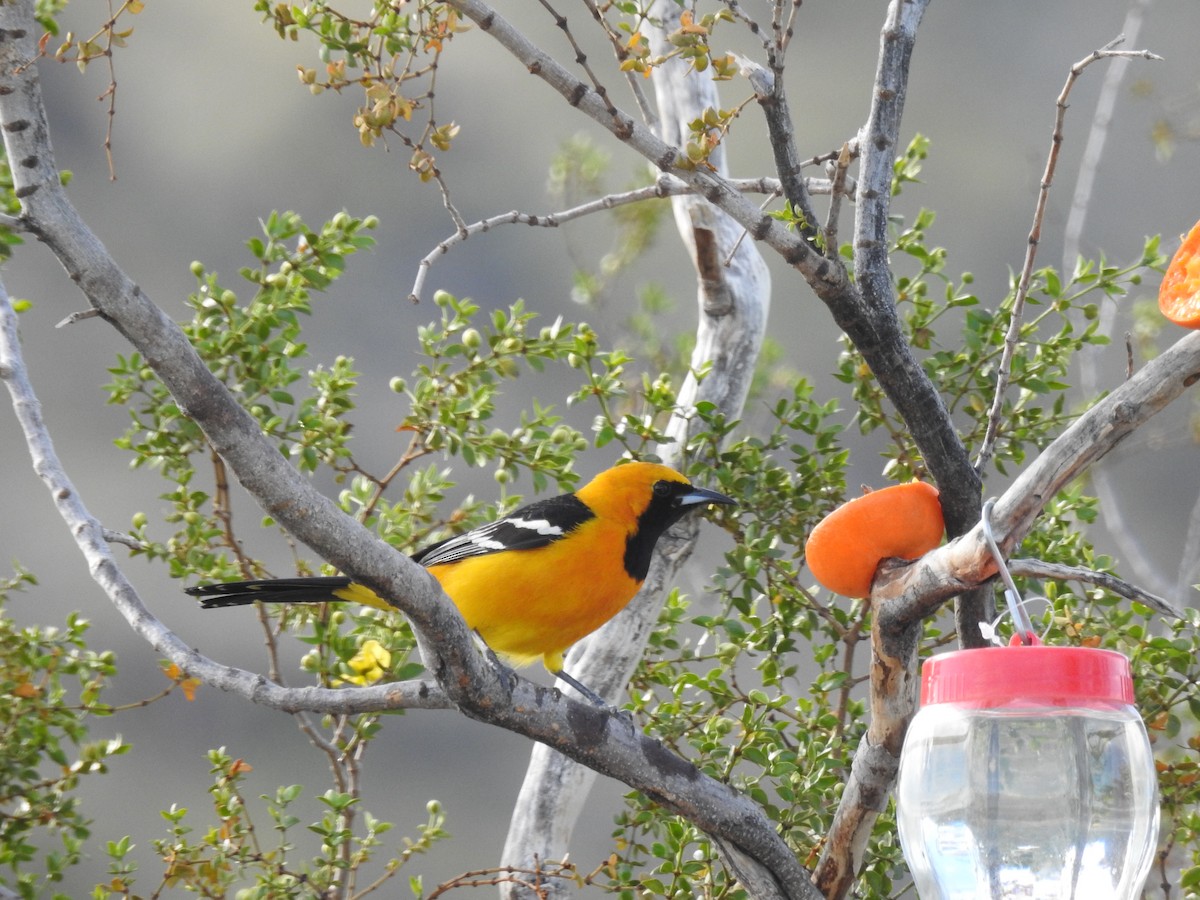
(504, 672)
(592, 696)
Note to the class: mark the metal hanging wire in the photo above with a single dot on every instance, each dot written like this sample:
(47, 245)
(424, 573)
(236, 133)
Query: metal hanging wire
(1012, 596)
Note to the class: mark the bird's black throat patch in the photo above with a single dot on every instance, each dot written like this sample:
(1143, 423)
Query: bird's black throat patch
(664, 511)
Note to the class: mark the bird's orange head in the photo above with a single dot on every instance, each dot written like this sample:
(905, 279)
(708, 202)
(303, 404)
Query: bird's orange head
(647, 498)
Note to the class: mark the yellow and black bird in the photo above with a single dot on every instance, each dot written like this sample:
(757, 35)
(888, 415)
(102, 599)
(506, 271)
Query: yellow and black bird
(536, 581)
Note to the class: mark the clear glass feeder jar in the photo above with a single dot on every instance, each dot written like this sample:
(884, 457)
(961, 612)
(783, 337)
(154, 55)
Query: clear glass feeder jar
(1027, 772)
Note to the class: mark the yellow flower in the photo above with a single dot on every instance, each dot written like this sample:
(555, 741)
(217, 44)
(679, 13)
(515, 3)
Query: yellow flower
(370, 663)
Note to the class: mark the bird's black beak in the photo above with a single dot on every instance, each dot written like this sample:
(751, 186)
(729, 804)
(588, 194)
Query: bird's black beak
(695, 496)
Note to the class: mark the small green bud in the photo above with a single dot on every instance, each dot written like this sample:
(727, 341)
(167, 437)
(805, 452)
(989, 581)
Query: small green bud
(472, 339)
(398, 385)
(139, 520)
(197, 268)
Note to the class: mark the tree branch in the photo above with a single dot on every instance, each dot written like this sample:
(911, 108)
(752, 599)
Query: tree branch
(93, 539)
(872, 322)
(869, 319)
(772, 97)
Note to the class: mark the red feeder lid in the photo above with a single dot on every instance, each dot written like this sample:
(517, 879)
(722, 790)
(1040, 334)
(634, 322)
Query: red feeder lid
(1049, 676)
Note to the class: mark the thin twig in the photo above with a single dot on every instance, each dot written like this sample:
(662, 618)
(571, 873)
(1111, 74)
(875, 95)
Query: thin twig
(777, 29)
(430, 127)
(741, 237)
(1036, 568)
(582, 60)
(751, 25)
(664, 186)
(78, 317)
(111, 91)
(837, 171)
(1133, 554)
(771, 95)
(1012, 337)
(223, 510)
(790, 28)
(415, 450)
(632, 79)
(1093, 148)
(128, 540)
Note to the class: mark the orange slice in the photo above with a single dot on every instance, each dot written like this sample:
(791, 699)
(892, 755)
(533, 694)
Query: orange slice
(1179, 296)
(847, 546)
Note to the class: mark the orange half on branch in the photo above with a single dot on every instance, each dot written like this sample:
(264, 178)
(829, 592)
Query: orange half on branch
(847, 546)
(1179, 295)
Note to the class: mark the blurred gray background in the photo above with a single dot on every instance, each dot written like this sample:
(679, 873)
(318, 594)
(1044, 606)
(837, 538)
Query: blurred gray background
(213, 131)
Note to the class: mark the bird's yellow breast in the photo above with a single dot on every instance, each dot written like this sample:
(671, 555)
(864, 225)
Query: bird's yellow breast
(534, 604)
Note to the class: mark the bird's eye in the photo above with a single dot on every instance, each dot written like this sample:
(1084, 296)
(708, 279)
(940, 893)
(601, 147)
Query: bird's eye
(663, 489)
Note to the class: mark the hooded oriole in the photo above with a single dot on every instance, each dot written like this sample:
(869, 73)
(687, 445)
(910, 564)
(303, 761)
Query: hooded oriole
(534, 582)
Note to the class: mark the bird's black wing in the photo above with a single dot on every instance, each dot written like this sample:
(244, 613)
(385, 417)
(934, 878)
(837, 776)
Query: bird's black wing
(536, 525)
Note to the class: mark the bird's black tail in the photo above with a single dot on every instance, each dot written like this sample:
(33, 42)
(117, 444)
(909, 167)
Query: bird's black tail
(276, 590)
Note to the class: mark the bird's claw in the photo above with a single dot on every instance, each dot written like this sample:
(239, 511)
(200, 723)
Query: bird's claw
(504, 673)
